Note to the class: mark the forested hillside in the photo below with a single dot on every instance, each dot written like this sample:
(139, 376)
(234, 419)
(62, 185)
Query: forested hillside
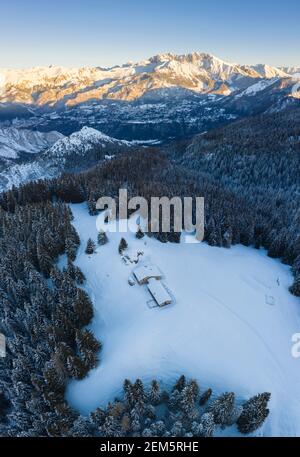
(43, 315)
(247, 172)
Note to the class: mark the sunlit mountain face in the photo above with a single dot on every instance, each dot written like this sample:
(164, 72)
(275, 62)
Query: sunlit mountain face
(54, 119)
(198, 72)
(165, 97)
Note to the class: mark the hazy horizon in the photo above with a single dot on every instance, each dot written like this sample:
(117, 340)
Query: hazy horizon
(146, 57)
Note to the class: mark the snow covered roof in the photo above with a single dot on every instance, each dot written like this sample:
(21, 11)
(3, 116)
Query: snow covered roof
(145, 272)
(158, 292)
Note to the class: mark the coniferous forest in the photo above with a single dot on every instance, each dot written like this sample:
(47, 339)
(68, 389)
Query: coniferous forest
(43, 315)
(251, 191)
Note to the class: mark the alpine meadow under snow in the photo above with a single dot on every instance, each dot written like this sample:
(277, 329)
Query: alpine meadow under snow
(200, 340)
(229, 326)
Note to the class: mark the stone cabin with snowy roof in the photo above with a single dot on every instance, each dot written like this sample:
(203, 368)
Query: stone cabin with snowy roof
(145, 272)
(158, 292)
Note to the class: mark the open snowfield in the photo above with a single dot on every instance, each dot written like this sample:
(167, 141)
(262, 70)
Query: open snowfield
(230, 326)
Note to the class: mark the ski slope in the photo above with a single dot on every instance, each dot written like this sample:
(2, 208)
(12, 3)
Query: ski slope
(230, 326)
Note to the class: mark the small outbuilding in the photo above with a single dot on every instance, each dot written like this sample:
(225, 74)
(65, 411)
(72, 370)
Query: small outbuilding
(145, 272)
(159, 292)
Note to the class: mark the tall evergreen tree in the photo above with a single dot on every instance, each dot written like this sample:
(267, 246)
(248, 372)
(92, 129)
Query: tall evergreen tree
(122, 246)
(205, 397)
(255, 412)
(222, 408)
(207, 425)
(295, 288)
(83, 308)
(155, 393)
(180, 384)
(139, 234)
(90, 247)
(102, 238)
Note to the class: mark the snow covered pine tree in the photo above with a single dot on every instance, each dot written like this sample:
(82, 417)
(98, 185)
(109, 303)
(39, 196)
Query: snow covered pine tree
(254, 413)
(90, 247)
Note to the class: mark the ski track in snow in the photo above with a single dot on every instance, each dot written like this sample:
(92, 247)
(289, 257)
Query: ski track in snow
(220, 330)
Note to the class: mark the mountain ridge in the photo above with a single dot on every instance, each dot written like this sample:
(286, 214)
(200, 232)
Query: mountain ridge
(80, 150)
(202, 73)
(14, 142)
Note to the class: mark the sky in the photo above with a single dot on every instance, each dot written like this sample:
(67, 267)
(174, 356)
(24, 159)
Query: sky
(106, 33)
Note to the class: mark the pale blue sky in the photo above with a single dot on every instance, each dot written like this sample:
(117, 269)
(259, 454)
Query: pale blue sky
(105, 33)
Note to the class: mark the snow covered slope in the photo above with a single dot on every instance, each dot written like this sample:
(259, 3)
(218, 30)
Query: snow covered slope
(269, 72)
(14, 141)
(230, 326)
(79, 143)
(199, 72)
(291, 70)
(80, 151)
(257, 87)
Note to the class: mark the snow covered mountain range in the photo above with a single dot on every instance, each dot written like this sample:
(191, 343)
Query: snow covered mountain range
(81, 150)
(54, 119)
(167, 96)
(16, 142)
(294, 71)
(199, 72)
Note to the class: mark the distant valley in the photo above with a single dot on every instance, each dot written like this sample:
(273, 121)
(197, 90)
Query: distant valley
(165, 97)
